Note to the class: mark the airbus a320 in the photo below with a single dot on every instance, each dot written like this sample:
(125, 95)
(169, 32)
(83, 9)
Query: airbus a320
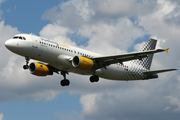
(57, 57)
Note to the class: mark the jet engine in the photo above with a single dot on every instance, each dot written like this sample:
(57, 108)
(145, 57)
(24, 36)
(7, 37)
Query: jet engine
(82, 63)
(39, 69)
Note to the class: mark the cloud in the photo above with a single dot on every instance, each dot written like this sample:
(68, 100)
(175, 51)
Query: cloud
(174, 101)
(91, 100)
(71, 13)
(86, 25)
(1, 116)
(1, 1)
(83, 8)
(56, 32)
(64, 15)
(109, 31)
(123, 7)
(118, 36)
(123, 102)
(6, 32)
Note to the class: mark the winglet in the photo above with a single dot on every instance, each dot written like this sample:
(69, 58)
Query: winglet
(166, 50)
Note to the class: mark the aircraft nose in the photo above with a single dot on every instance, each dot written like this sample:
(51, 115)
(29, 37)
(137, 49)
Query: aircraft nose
(8, 44)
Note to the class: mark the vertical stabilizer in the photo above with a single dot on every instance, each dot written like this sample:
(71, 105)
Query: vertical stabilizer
(146, 62)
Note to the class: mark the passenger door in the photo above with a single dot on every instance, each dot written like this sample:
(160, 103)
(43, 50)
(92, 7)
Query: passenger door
(34, 41)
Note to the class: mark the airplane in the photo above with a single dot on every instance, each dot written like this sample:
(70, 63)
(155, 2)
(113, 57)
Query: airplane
(57, 57)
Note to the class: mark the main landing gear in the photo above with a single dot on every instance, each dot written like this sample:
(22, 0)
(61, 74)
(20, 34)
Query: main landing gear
(94, 78)
(27, 62)
(64, 82)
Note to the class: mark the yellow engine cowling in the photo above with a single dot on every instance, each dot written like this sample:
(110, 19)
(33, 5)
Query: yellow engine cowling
(82, 63)
(39, 69)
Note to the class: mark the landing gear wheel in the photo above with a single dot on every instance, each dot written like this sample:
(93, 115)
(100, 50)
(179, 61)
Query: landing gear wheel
(65, 82)
(94, 78)
(62, 82)
(25, 67)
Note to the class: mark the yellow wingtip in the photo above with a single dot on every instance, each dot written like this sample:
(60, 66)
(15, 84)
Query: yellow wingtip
(166, 50)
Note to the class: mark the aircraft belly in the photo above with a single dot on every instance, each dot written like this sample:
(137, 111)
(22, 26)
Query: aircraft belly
(63, 62)
(114, 73)
(82, 72)
(111, 73)
(72, 69)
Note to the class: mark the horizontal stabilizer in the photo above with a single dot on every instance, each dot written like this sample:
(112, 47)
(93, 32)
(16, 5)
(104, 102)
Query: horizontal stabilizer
(158, 71)
(166, 50)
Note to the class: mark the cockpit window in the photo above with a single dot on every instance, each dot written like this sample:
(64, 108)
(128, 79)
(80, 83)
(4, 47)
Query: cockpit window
(19, 37)
(24, 38)
(16, 37)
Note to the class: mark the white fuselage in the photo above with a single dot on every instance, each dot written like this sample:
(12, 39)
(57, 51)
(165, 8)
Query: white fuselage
(60, 56)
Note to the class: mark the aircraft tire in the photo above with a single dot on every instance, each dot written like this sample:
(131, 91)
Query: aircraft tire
(96, 78)
(62, 83)
(92, 79)
(25, 67)
(65, 82)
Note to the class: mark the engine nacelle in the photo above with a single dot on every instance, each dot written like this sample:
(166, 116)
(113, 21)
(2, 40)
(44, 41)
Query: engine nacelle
(39, 69)
(82, 63)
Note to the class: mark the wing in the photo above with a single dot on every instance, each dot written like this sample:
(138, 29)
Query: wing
(108, 60)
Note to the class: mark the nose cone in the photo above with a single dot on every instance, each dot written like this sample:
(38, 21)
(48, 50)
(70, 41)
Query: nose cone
(8, 44)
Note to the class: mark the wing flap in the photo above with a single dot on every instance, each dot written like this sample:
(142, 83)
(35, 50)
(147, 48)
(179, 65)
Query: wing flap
(158, 71)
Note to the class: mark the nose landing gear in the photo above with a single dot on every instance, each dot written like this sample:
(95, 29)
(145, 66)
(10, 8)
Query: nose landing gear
(25, 67)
